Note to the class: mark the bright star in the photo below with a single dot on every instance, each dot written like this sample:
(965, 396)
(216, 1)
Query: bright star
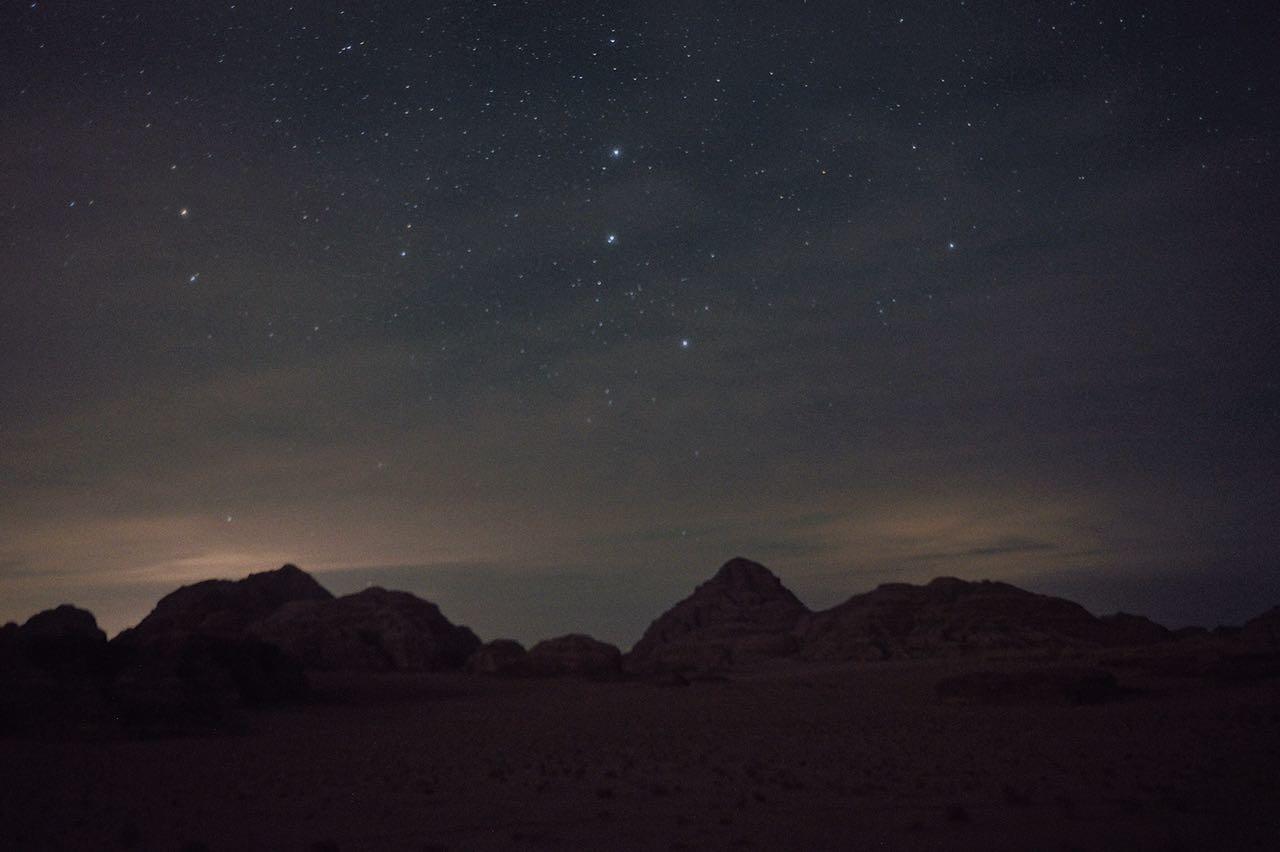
(615, 153)
(184, 213)
(684, 343)
(612, 239)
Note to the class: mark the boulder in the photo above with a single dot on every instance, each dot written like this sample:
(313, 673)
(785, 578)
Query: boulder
(574, 654)
(372, 630)
(742, 613)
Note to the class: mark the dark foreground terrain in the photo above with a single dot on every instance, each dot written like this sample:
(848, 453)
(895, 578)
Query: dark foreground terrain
(810, 757)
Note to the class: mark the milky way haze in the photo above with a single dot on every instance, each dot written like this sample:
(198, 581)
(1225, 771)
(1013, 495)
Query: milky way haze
(543, 310)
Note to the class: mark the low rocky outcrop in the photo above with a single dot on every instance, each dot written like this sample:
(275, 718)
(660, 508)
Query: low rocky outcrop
(949, 616)
(372, 630)
(574, 654)
(501, 656)
(740, 614)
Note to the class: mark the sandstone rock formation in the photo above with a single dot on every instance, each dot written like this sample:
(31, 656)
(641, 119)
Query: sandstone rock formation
(741, 613)
(574, 654)
(501, 656)
(62, 623)
(59, 676)
(225, 607)
(948, 616)
(372, 630)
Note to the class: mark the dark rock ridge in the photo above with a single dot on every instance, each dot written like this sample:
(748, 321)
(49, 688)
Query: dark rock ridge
(950, 616)
(372, 630)
(743, 612)
(226, 607)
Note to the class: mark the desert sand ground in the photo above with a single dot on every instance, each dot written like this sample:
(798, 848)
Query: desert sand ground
(849, 757)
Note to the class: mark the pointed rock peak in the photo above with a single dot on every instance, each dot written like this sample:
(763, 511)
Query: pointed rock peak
(741, 572)
(291, 581)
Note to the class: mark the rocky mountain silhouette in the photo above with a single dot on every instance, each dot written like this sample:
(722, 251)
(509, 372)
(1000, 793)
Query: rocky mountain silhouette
(372, 630)
(742, 612)
(950, 616)
(60, 676)
(226, 607)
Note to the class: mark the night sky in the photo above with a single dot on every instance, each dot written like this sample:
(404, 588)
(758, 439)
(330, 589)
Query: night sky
(544, 310)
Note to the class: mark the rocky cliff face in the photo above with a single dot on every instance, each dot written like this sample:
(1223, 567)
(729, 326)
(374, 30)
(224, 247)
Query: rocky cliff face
(741, 613)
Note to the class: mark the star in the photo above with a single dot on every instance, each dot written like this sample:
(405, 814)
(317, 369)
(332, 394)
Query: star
(611, 239)
(615, 153)
(184, 213)
(684, 343)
